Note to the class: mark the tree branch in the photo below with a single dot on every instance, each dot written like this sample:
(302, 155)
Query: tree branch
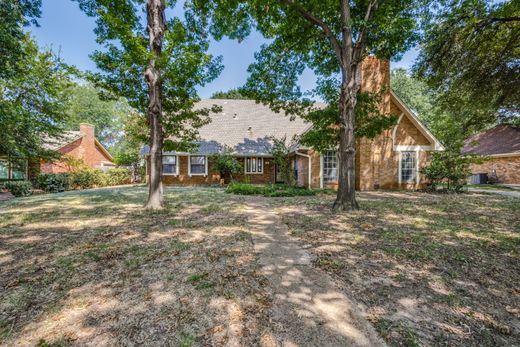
(360, 42)
(346, 31)
(318, 22)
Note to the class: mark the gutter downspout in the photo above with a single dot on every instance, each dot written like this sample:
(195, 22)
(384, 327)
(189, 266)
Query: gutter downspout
(310, 162)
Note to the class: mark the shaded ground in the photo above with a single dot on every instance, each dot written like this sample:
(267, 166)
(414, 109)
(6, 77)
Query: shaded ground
(430, 270)
(308, 307)
(93, 268)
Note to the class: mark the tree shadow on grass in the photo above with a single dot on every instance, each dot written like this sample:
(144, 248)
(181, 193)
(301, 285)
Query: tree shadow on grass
(428, 269)
(95, 268)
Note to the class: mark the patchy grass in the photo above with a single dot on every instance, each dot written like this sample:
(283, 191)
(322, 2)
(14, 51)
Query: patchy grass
(93, 267)
(430, 270)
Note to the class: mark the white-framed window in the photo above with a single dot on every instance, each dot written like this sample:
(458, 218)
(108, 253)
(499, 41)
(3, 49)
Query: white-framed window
(13, 169)
(408, 167)
(254, 165)
(198, 165)
(330, 166)
(169, 165)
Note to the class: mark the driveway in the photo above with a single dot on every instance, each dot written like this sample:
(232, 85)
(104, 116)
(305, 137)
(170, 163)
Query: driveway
(513, 194)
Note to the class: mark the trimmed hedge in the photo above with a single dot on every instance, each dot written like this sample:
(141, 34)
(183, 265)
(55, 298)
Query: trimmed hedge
(117, 176)
(53, 183)
(19, 188)
(86, 178)
(83, 178)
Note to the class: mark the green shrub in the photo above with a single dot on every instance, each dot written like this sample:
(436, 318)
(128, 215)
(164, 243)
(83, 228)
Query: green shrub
(227, 164)
(244, 189)
(450, 167)
(86, 178)
(270, 190)
(116, 177)
(19, 188)
(53, 183)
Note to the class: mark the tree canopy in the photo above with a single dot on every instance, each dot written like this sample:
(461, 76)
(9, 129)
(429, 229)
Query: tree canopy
(470, 58)
(230, 94)
(33, 102)
(107, 116)
(14, 15)
(184, 65)
(330, 37)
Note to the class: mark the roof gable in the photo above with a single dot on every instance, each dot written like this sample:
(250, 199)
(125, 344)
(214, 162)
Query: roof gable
(436, 144)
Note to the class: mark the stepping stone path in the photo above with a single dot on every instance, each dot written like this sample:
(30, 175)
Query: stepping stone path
(309, 309)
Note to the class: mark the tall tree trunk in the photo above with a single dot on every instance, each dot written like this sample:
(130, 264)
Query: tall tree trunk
(346, 196)
(156, 28)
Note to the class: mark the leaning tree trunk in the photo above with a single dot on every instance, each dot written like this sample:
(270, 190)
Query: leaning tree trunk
(346, 196)
(156, 28)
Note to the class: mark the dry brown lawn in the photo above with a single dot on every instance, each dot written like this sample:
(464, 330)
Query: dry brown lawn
(93, 268)
(429, 270)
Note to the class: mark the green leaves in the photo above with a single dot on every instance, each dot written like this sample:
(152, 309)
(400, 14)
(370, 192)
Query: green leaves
(184, 65)
(14, 15)
(33, 102)
(470, 57)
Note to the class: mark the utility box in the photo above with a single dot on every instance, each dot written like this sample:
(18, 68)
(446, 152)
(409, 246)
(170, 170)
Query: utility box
(479, 178)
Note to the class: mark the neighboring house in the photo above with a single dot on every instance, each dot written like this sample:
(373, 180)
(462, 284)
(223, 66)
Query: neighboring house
(80, 144)
(390, 161)
(501, 147)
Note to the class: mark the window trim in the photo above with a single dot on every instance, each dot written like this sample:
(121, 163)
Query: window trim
(324, 179)
(400, 177)
(205, 166)
(257, 172)
(176, 173)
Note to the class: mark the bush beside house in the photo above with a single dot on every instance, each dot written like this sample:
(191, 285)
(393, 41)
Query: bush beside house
(18, 188)
(53, 183)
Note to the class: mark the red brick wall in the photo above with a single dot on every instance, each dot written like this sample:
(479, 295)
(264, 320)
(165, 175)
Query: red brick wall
(213, 176)
(84, 148)
(507, 169)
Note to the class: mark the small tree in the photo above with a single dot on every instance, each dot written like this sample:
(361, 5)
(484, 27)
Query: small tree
(227, 165)
(281, 158)
(450, 167)
(157, 64)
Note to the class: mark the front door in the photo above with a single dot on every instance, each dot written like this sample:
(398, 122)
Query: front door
(278, 174)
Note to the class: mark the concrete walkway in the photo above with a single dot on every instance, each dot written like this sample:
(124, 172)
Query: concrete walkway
(510, 193)
(308, 309)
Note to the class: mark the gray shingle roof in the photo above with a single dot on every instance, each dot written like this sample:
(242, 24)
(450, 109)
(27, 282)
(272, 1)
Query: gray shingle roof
(245, 126)
(65, 138)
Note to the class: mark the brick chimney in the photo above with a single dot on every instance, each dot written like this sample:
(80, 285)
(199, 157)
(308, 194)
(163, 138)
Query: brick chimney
(88, 143)
(374, 74)
(87, 130)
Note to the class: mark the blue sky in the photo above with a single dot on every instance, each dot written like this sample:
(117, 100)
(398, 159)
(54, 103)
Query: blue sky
(68, 31)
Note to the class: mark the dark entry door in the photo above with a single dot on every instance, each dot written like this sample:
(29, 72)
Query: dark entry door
(278, 174)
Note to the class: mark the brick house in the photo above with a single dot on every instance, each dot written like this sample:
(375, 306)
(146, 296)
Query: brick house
(501, 148)
(391, 161)
(80, 144)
